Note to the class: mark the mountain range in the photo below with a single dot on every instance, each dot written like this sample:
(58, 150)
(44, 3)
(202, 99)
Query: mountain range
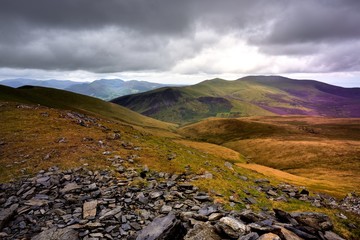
(105, 89)
(248, 96)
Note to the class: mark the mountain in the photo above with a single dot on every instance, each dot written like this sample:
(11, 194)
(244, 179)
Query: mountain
(248, 96)
(107, 89)
(62, 99)
(18, 82)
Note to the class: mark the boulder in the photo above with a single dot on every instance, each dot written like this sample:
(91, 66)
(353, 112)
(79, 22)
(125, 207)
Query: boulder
(163, 228)
(232, 227)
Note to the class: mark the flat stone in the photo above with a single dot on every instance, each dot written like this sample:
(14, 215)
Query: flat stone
(288, 235)
(36, 202)
(332, 236)
(6, 214)
(89, 209)
(154, 195)
(202, 231)
(215, 216)
(163, 228)
(318, 221)
(111, 213)
(57, 234)
(70, 187)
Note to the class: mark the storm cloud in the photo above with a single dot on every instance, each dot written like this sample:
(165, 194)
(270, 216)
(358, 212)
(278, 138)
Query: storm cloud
(187, 36)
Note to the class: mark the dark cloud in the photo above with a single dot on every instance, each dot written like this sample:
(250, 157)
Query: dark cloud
(140, 35)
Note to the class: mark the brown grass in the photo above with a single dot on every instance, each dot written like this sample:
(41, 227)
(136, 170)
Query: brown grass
(216, 150)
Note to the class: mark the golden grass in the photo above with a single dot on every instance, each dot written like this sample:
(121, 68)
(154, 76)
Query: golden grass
(216, 150)
(332, 161)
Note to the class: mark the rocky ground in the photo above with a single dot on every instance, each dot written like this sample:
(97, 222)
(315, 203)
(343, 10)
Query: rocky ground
(141, 204)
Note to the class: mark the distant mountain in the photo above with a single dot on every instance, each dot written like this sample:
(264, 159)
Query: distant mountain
(105, 89)
(248, 96)
(18, 82)
(108, 89)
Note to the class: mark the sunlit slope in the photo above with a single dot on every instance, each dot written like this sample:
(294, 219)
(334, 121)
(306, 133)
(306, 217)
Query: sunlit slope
(249, 96)
(67, 100)
(313, 147)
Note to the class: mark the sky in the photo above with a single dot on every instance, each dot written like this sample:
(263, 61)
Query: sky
(180, 41)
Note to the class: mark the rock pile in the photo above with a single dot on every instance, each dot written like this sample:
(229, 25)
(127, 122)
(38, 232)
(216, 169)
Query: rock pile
(138, 204)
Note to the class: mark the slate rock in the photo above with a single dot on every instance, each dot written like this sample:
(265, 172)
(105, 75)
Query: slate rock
(6, 214)
(250, 236)
(318, 221)
(163, 228)
(288, 235)
(57, 234)
(332, 236)
(202, 231)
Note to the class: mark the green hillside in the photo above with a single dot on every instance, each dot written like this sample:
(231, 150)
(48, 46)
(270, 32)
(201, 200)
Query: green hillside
(67, 100)
(249, 96)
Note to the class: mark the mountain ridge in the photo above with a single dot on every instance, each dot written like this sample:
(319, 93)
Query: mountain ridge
(247, 96)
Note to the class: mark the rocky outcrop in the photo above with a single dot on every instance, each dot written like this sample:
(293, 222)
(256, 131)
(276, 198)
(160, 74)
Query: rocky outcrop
(139, 204)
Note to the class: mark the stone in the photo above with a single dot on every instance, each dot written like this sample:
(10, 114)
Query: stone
(215, 216)
(202, 231)
(261, 180)
(288, 235)
(70, 187)
(203, 198)
(111, 213)
(300, 233)
(57, 234)
(6, 214)
(318, 221)
(229, 165)
(332, 236)
(89, 209)
(163, 228)
(165, 209)
(272, 193)
(233, 227)
(156, 194)
(269, 236)
(249, 236)
(249, 216)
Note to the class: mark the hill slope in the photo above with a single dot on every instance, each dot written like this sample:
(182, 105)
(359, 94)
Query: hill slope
(248, 96)
(72, 101)
(312, 147)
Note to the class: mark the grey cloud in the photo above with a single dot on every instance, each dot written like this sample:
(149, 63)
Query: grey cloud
(137, 35)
